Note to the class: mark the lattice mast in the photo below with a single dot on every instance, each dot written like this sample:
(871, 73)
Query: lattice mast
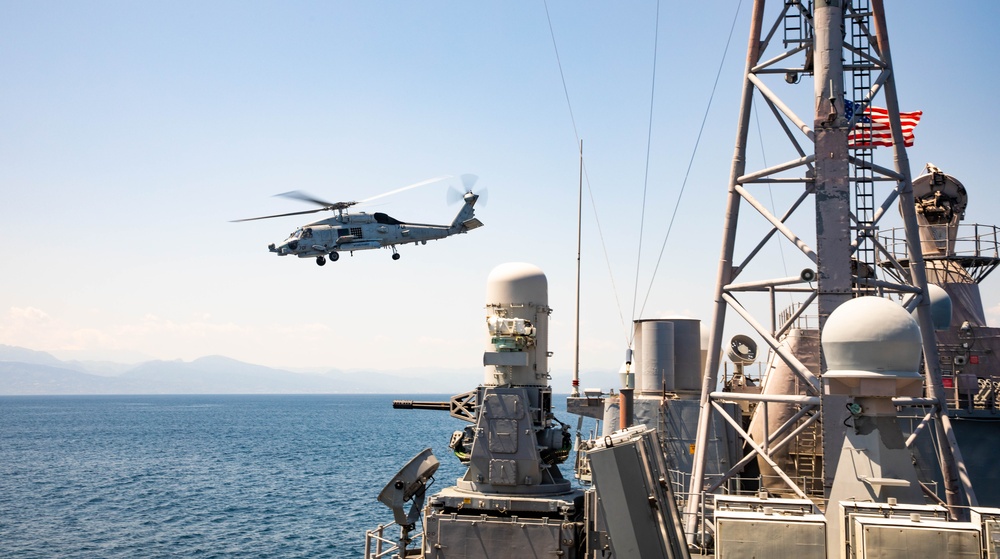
(826, 170)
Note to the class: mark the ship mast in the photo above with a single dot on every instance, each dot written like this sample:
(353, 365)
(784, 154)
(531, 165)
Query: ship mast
(576, 336)
(821, 166)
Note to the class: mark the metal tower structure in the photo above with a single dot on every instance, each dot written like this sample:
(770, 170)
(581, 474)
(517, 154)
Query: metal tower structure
(825, 41)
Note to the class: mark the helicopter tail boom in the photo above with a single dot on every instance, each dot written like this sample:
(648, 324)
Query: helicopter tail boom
(466, 218)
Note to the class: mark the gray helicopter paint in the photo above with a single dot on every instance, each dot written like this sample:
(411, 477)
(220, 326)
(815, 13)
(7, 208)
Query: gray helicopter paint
(348, 232)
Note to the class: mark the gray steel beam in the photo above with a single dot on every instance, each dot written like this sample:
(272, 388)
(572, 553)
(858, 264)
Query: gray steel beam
(711, 377)
(950, 458)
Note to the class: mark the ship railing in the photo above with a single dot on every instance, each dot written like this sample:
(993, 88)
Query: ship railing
(702, 538)
(981, 394)
(377, 545)
(680, 481)
(704, 533)
(966, 392)
(792, 315)
(975, 245)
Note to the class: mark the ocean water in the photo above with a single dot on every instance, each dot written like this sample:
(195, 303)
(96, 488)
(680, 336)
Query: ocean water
(205, 476)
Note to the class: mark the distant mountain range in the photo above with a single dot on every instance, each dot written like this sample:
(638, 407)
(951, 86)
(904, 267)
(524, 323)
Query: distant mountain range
(24, 371)
(27, 372)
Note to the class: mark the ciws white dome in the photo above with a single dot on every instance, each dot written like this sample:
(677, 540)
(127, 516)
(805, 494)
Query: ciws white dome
(872, 348)
(517, 282)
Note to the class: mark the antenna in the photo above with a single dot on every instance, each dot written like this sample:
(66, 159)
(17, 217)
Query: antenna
(408, 485)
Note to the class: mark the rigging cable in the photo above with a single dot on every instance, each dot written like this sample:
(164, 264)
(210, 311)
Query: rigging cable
(590, 191)
(770, 192)
(697, 141)
(562, 76)
(645, 178)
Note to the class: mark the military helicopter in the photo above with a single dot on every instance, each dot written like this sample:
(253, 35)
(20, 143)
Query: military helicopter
(349, 232)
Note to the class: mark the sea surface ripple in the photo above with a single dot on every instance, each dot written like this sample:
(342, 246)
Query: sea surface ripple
(204, 476)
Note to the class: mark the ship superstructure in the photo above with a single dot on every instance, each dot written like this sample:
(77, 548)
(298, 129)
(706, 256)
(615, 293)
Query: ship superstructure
(814, 459)
(840, 191)
(958, 257)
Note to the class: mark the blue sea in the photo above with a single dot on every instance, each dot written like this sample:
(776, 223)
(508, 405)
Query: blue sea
(205, 476)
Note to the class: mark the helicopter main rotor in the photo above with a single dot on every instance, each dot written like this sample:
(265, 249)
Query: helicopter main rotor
(339, 206)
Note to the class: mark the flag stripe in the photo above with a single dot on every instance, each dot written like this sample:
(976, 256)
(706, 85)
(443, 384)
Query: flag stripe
(874, 129)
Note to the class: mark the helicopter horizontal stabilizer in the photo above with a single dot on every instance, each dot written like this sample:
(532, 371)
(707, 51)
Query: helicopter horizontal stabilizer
(472, 223)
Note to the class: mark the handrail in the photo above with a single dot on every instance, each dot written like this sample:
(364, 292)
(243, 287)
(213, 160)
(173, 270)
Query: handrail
(971, 240)
(377, 537)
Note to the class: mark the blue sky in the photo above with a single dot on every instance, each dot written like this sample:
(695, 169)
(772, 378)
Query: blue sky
(133, 132)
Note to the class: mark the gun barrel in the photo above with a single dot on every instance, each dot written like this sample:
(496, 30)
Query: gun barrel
(413, 405)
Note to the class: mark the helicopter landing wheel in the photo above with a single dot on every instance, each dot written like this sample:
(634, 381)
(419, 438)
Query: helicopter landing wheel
(395, 256)
(320, 261)
(334, 256)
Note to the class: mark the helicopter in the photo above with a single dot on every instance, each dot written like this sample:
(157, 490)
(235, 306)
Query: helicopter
(348, 232)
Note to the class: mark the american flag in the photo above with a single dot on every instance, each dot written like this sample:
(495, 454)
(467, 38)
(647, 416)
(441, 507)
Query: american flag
(872, 127)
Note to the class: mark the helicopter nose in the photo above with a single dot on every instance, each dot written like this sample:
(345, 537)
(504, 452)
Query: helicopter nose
(280, 250)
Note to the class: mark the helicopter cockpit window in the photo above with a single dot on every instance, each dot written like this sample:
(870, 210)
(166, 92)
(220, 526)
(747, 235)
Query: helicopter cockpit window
(307, 233)
(297, 234)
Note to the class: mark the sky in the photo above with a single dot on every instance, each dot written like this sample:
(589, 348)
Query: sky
(132, 133)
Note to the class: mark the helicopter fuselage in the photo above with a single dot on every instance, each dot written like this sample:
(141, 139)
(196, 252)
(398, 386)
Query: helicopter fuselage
(348, 232)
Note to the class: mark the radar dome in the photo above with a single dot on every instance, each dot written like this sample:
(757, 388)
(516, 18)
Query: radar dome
(872, 348)
(940, 306)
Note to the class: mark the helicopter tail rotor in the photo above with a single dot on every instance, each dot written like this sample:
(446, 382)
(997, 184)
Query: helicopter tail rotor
(468, 181)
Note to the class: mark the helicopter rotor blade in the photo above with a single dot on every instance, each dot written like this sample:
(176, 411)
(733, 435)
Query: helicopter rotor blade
(278, 215)
(324, 205)
(415, 185)
(468, 181)
(306, 197)
(454, 195)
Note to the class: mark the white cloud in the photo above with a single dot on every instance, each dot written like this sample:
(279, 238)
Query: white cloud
(22, 325)
(28, 314)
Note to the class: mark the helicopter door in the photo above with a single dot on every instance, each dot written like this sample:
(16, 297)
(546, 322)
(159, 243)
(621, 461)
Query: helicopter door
(323, 237)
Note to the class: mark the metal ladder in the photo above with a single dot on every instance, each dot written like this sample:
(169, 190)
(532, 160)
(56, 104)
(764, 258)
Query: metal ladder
(796, 29)
(859, 15)
(808, 460)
